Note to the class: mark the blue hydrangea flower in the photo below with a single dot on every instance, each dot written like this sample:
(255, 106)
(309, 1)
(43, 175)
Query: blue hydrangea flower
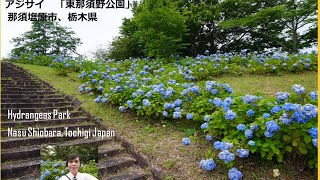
(281, 96)
(214, 91)
(177, 102)
(314, 132)
(177, 115)
(250, 112)
(204, 125)
(146, 102)
(315, 142)
(243, 153)
(165, 113)
(275, 109)
(222, 145)
(249, 98)
(122, 108)
(195, 89)
(314, 95)
(129, 102)
(62, 172)
(100, 88)
(177, 109)
(251, 143)
(207, 118)
(217, 102)
(268, 134)
(149, 95)
(254, 127)
(209, 137)
(134, 95)
(186, 141)
(88, 89)
(272, 126)
(47, 172)
(309, 110)
(298, 89)
(234, 174)
(184, 92)
(248, 133)
(189, 116)
(229, 100)
(285, 119)
(97, 100)
(289, 107)
(230, 115)
(208, 164)
(266, 115)
(139, 107)
(241, 127)
(226, 156)
(94, 80)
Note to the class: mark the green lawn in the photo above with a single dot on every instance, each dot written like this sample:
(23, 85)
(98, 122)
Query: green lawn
(270, 85)
(160, 140)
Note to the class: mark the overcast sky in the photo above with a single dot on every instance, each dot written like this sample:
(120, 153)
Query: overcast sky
(92, 33)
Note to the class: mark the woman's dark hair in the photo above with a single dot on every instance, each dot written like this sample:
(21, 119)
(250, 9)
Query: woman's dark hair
(72, 157)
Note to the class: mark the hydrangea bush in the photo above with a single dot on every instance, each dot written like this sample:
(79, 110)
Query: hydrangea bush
(240, 125)
(237, 125)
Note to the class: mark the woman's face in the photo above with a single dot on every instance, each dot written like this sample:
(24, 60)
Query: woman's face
(74, 165)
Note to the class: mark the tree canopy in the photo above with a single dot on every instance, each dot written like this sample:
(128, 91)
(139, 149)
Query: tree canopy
(46, 37)
(164, 27)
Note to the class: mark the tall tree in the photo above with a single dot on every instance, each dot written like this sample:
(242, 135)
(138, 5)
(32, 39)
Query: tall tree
(278, 23)
(46, 37)
(160, 28)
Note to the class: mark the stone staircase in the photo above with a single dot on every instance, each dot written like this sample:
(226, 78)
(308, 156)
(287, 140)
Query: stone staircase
(20, 156)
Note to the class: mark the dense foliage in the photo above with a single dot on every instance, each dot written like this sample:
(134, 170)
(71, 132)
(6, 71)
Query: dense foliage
(45, 38)
(227, 26)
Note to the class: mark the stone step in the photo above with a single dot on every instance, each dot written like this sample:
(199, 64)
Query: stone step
(132, 175)
(4, 117)
(19, 84)
(26, 123)
(14, 74)
(110, 152)
(26, 152)
(5, 133)
(87, 142)
(21, 88)
(20, 153)
(30, 96)
(7, 143)
(20, 168)
(61, 109)
(29, 177)
(33, 105)
(114, 165)
(20, 78)
(14, 100)
(28, 92)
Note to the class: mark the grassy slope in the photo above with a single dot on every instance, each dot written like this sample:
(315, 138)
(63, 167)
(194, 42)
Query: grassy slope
(161, 141)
